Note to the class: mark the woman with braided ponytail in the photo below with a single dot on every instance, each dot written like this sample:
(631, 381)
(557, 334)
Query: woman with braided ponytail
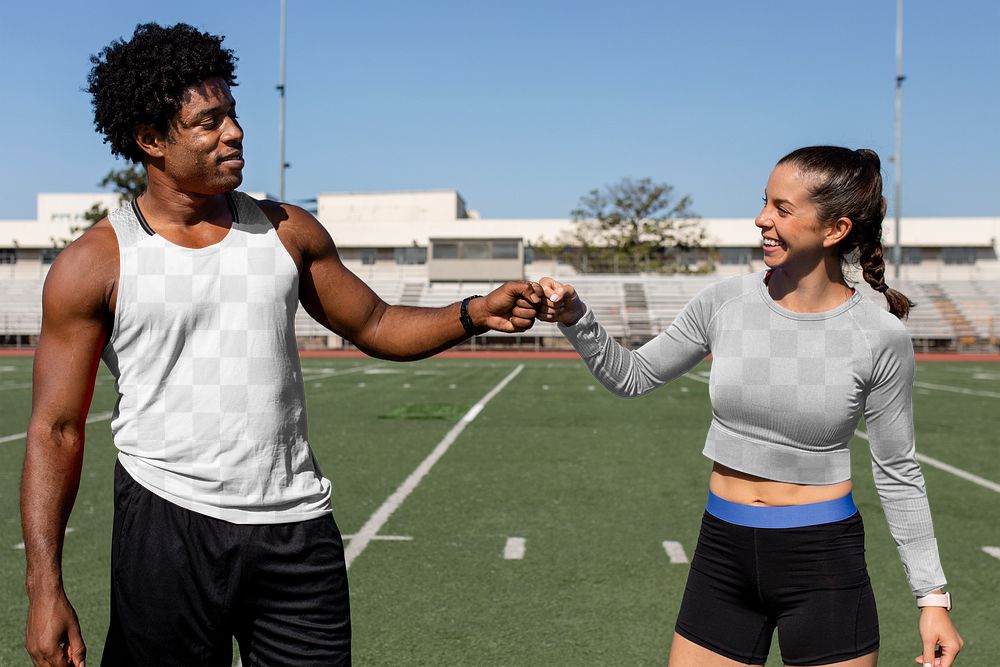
(799, 356)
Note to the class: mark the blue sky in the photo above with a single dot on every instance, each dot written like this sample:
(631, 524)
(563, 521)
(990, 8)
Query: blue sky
(523, 106)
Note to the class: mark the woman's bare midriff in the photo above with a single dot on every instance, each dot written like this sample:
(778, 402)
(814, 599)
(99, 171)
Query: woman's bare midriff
(739, 487)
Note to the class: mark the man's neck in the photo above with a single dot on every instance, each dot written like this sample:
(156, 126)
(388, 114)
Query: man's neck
(165, 203)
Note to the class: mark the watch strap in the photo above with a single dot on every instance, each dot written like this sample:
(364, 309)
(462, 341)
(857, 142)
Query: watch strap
(935, 600)
(463, 317)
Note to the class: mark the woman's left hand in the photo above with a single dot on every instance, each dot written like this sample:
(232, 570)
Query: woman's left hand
(936, 629)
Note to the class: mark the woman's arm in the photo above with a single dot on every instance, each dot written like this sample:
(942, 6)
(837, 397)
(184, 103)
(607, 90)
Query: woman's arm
(898, 479)
(627, 373)
(900, 485)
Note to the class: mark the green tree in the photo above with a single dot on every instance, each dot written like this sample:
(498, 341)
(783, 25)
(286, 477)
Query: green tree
(632, 226)
(129, 183)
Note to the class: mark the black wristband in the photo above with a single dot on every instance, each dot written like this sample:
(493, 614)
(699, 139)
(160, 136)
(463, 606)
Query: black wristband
(463, 317)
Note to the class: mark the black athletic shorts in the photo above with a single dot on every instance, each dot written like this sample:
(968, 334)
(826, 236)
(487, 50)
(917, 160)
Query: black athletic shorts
(184, 584)
(810, 582)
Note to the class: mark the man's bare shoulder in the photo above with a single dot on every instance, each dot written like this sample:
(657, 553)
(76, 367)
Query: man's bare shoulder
(281, 213)
(99, 236)
(296, 226)
(86, 271)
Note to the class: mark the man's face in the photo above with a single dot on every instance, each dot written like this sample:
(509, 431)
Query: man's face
(203, 152)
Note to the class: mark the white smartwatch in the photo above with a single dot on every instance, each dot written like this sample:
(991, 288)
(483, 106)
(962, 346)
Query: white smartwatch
(935, 600)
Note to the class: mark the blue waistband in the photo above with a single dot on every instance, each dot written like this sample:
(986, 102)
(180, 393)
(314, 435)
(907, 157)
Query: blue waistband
(783, 516)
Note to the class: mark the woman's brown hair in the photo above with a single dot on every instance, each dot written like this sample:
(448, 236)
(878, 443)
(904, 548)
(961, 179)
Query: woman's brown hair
(847, 183)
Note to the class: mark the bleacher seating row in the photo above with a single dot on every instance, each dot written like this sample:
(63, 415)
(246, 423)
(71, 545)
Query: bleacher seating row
(21, 309)
(952, 314)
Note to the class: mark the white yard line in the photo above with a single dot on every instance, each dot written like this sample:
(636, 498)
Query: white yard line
(941, 465)
(92, 419)
(675, 552)
(392, 503)
(514, 549)
(993, 551)
(13, 437)
(697, 378)
(958, 390)
(958, 472)
(314, 373)
(19, 385)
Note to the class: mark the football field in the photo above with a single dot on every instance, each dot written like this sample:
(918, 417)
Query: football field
(513, 512)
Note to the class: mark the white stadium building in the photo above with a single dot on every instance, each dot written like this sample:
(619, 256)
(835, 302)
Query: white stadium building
(427, 248)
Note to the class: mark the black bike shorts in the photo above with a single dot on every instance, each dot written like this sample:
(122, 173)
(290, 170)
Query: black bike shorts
(809, 582)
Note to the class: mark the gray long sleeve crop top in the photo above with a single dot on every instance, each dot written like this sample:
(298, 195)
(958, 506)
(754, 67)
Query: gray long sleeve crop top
(787, 391)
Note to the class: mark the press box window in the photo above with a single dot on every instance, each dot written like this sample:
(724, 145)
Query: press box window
(504, 250)
(413, 255)
(445, 251)
(912, 256)
(475, 250)
(958, 255)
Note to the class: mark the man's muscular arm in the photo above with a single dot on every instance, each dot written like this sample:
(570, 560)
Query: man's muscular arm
(343, 303)
(75, 317)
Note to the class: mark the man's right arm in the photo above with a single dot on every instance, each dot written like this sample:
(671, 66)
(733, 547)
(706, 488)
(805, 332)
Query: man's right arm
(75, 324)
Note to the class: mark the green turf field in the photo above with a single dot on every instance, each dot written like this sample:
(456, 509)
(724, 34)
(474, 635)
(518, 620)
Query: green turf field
(594, 485)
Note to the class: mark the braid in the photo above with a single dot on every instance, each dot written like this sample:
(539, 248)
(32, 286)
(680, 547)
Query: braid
(872, 264)
(870, 258)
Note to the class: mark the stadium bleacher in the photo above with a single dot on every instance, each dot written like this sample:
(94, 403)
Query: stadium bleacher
(21, 314)
(978, 303)
(957, 315)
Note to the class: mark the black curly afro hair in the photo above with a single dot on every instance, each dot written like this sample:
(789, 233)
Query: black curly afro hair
(140, 82)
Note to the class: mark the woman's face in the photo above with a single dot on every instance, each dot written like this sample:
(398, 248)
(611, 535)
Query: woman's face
(793, 236)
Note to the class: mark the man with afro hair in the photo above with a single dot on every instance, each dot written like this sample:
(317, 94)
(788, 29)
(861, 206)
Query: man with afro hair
(223, 525)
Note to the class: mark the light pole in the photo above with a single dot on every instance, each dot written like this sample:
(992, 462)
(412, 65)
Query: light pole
(282, 165)
(897, 251)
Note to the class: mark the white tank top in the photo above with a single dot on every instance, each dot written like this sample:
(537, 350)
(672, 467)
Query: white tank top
(211, 409)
